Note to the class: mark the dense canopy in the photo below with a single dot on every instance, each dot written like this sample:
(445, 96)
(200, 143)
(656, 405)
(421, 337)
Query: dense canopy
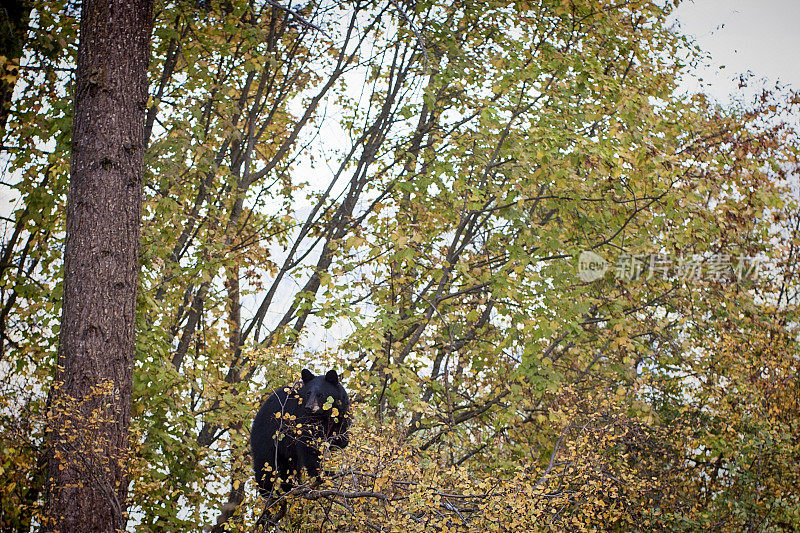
(407, 192)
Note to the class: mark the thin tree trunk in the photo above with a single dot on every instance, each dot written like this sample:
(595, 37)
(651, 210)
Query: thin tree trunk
(14, 17)
(91, 398)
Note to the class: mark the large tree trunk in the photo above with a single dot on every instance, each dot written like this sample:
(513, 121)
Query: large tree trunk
(91, 398)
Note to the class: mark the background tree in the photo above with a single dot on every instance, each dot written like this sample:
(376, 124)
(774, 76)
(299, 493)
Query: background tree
(403, 195)
(14, 21)
(91, 395)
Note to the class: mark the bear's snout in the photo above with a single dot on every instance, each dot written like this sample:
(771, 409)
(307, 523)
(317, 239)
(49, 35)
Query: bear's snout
(313, 406)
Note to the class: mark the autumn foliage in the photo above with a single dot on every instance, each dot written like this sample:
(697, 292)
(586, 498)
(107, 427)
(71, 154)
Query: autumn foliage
(401, 191)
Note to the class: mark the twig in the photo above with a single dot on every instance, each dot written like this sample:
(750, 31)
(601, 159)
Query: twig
(298, 16)
(416, 31)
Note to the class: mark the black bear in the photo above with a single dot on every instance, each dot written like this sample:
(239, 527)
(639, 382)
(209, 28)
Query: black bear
(291, 425)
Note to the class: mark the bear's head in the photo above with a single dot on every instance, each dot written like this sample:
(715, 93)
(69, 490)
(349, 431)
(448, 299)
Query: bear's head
(323, 396)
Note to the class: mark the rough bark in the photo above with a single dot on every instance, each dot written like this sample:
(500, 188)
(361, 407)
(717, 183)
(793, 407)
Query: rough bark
(91, 399)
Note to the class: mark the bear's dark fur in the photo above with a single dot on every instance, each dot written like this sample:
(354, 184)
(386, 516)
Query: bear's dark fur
(291, 425)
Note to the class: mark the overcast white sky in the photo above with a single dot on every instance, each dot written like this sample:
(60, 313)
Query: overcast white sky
(761, 36)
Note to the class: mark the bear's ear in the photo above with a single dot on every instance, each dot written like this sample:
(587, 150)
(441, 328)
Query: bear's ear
(332, 377)
(307, 375)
